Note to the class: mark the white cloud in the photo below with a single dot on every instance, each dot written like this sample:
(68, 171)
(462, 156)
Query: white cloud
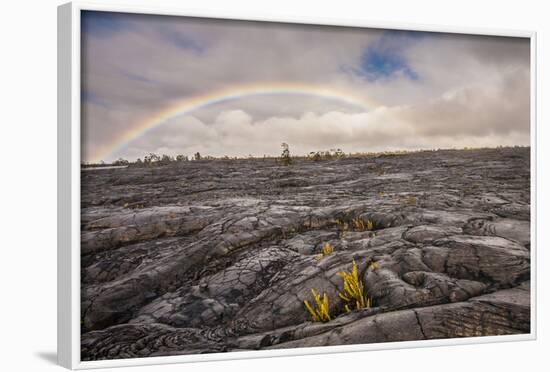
(470, 91)
(464, 118)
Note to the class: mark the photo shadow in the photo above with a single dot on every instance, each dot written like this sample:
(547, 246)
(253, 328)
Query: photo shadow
(48, 356)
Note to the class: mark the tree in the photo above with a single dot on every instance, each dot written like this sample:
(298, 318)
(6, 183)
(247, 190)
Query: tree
(198, 156)
(315, 156)
(285, 156)
(166, 159)
(151, 158)
(121, 161)
(180, 158)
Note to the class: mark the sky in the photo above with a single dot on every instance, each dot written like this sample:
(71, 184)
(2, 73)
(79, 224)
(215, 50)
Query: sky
(181, 85)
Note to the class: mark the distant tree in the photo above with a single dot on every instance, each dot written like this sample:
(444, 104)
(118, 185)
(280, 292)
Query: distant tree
(285, 156)
(315, 155)
(180, 158)
(121, 161)
(166, 159)
(151, 158)
(198, 156)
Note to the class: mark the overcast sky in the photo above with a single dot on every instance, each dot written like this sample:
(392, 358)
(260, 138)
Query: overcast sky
(421, 90)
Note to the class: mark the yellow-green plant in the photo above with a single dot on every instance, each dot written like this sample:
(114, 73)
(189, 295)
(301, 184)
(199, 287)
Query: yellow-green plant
(321, 312)
(412, 200)
(327, 249)
(341, 224)
(370, 225)
(354, 291)
(358, 224)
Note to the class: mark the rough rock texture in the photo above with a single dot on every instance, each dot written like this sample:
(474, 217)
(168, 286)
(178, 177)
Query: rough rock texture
(212, 256)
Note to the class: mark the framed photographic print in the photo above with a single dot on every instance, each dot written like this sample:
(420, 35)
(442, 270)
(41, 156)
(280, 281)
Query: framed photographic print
(253, 187)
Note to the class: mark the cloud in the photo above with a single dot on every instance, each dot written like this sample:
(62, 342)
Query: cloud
(385, 58)
(104, 24)
(431, 89)
(463, 118)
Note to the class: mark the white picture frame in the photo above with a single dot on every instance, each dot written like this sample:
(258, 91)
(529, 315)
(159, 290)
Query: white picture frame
(69, 150)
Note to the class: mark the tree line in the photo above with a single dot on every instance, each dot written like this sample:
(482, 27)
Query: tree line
(285, 158)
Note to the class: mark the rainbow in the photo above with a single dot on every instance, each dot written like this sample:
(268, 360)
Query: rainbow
(190, 104)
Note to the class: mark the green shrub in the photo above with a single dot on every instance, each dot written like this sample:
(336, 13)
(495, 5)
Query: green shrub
(321, 311)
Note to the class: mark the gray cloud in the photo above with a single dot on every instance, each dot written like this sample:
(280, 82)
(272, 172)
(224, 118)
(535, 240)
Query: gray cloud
(469, 90)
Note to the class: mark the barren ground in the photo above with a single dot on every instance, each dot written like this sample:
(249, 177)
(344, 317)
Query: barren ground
(215, 256)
